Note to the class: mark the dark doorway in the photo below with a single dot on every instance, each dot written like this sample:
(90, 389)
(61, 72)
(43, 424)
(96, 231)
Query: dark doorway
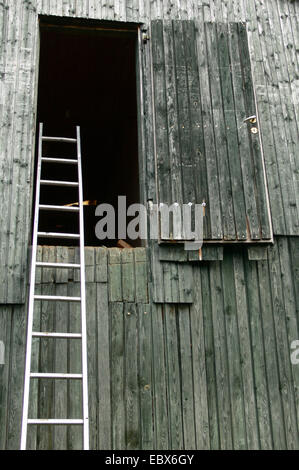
(87, 78)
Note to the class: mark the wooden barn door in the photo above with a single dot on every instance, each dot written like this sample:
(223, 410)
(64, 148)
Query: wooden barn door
(205, 149)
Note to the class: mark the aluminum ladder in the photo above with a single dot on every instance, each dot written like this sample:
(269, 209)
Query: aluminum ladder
(31, 375)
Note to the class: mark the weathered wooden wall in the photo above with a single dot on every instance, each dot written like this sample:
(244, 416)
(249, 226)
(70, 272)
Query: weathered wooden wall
(212, 374)
(273, 44)
(208, 364)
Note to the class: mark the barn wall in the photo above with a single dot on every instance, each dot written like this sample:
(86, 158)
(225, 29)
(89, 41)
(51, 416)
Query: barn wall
(208, 365)
(212, 374)
(273, 41)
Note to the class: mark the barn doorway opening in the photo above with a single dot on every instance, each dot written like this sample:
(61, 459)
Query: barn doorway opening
(87, 78)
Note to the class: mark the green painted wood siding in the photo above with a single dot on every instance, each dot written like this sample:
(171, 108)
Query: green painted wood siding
(204, 151)
(215, 374)
(273, 47)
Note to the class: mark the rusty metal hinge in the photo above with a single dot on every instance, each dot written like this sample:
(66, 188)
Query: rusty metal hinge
(145, 37)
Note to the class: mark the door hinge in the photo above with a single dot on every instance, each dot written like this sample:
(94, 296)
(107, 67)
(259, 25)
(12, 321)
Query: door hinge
(145, 37)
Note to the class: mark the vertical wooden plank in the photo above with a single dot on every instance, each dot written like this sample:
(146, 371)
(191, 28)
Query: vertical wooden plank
(246, 359)
(45, 434)
(146, 384)
(76, 260)
(281, 123)
(132, 403)
(210, 358)
(170, 10)
(171, 282)
(231, 131)
(175, 287)
(60, 396)
(259, 368)
(143, 72)
(85, 10)
(293, 18)
(195, 114)
(197, 327)
(35, 353)
(282, 153)
(283, 351)
(228, 11)
(16, 379)
(273, 180)
(104, 366)
(294, 257)
(5, 335)
(288, 280)
(183, 116)
(101, 274)
(275, 404)
(144, 7)
(132, 10)
(19, 198)
(160, 113)
(117, 377)
(12, 40)
(89, 264)
(128, 275)
(160, 401)
(221, 358)
(221, 156)
(185, 351)
(173, 378)
(156, 8)
(71, 260)
(218, 13)
(186, 283)
(213, 212)
(115, 278)
(250, 107)
(285, 68)
(233, 354)
(158, 290)
(62, 255)
(110, 12)
(141, 275)
(92, 363)
(147, 119)
(172, 114)
(243, 135)
(75, 434)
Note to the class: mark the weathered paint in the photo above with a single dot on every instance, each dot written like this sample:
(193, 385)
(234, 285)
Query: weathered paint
(203, 359)
(273, 44)
(212, 374)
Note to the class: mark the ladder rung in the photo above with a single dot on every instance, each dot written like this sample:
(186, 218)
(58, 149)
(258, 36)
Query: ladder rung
(38, 375)
(70, 184)
(58, 235)
(60, 160)
(37, 334)
(59, 298)
(55, 421)
(58, 265)
(58, 208)
(59, 139)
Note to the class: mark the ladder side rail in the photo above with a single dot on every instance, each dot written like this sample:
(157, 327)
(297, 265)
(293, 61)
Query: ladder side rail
(83, 301)
(31, 298)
